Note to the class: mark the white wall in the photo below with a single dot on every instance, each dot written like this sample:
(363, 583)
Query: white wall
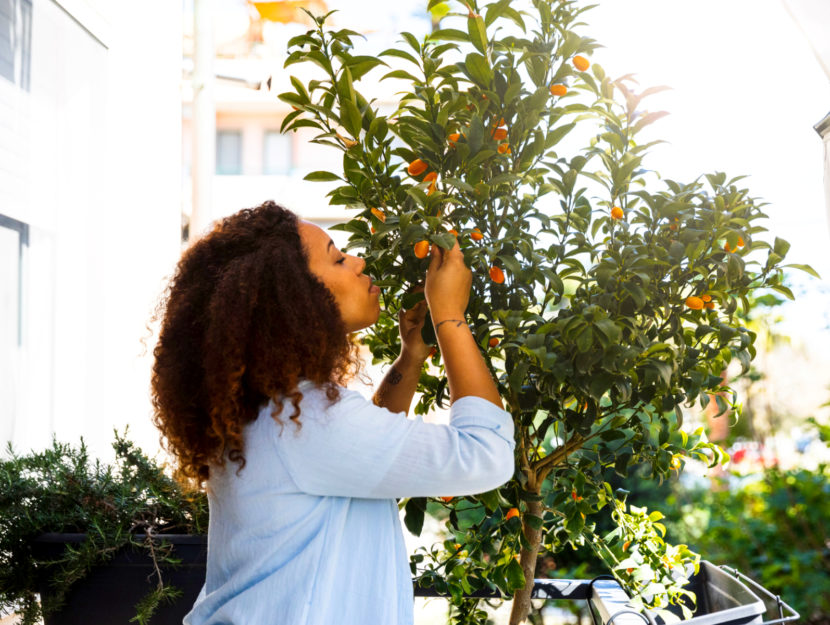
(97, 144)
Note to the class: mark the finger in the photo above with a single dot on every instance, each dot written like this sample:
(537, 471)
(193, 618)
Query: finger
(435, 258)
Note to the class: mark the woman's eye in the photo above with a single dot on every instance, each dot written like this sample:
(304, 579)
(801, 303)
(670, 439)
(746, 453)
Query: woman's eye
(341, 261)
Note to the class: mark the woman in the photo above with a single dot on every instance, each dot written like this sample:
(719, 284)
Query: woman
(304, 526)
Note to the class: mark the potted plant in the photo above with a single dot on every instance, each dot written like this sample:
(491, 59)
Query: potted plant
(98, 542)
(604, 297)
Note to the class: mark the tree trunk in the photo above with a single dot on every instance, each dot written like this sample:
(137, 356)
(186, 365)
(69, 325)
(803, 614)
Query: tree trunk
(521, 600)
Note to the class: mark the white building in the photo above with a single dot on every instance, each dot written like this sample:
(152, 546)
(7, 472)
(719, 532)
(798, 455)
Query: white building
(90, 205)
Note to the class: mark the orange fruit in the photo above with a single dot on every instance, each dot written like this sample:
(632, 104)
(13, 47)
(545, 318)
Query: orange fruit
(372, 228)
(581, 63)
(447, 499)
(513, 512)
(617, 213)
(432, 352)
(501, 121)
(457, 546)
(626, 545)
(741, 242)
(454, 137)
(673, 227)
(558, 90)
(499, 134)
(430, 177)
(416, 167)
(493, 342)
(695, 303)
(496, 274)
(504, 148)
(629, 571)
(575, 497)
(476, 235)
(454, 232)
(727, 248)
(706, 298)
(422, 249)
(378, 213)
(709, 305)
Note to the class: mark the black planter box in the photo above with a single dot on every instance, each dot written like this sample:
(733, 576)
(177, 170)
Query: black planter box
(108, 595)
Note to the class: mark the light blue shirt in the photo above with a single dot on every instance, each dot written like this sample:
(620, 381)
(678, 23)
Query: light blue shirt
(308, 533)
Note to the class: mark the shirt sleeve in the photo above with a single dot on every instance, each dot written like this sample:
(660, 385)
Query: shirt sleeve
(358, 449)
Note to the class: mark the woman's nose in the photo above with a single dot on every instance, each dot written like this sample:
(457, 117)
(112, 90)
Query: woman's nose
(361, 263)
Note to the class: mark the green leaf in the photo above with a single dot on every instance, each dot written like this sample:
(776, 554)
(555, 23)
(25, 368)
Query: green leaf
(450, 34)
(780, 247)
(479, 69)
(610, 329)
(350, 117)
(414, 516)
(400, 74)
(515, 576)
(782, 289)
(557, 134)
(478, 33)
(401, 54)
(322, 176)
(410, 39)
(806, 268)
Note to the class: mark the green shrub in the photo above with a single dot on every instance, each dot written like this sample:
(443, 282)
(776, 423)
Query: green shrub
(62, 490)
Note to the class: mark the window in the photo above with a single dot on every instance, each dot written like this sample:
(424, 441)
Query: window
(228, 152)
(16, 41)
(14, 236)
(278, 154)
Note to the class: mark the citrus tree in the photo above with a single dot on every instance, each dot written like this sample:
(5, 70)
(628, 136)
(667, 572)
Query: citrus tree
(603, 297)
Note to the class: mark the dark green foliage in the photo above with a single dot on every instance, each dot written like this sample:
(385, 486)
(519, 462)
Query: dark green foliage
(61, 490)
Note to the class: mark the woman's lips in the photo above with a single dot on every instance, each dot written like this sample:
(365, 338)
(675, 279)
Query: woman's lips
(374, 289)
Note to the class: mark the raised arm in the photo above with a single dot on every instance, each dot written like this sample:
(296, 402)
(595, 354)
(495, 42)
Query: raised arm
(447, 293)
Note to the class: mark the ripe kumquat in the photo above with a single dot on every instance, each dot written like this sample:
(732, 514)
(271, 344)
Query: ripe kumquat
(496, 274)
(422, 249)
(581, 63)
(416, 167)
(694, 302)
(558, 90)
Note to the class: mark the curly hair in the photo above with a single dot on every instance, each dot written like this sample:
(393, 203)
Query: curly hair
(242, 320)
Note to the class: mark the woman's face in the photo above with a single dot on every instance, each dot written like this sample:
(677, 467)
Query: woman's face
(342, 274)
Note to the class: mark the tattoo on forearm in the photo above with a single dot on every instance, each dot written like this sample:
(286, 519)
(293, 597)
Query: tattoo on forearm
(394, 376)
(459, 323)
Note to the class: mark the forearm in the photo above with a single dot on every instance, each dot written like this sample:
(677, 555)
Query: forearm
(398, 385)
(467, 373)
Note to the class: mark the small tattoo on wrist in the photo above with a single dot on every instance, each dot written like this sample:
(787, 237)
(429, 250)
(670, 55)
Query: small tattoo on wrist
(459, 323)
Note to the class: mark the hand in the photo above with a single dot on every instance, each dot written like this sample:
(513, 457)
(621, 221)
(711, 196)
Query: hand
(411, 321)
(448, 283)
